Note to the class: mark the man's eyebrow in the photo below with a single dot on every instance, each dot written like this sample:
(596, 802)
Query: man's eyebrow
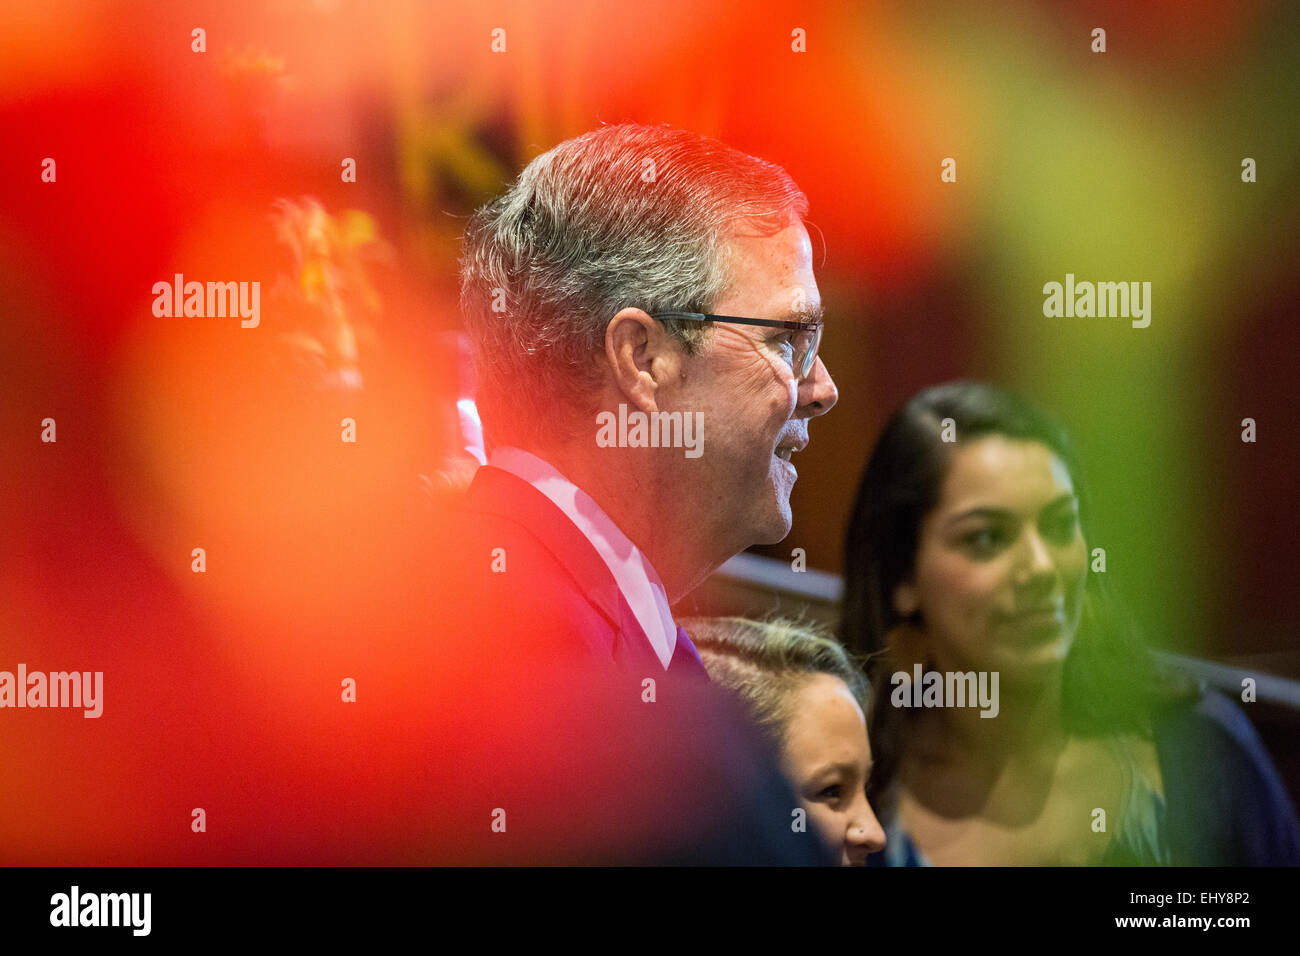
(806, 315)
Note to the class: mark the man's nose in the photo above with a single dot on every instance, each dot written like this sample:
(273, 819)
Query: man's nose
(817, 393)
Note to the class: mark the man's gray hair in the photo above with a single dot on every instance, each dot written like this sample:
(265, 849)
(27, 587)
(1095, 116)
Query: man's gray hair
(625, 215)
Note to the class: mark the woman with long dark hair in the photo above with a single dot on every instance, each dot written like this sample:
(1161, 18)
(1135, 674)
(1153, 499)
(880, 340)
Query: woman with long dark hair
(1016, 717)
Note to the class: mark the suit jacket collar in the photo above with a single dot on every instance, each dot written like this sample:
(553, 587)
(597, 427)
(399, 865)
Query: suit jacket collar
(497, 492)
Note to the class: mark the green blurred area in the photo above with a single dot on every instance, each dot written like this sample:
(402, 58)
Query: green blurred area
(1100, 170)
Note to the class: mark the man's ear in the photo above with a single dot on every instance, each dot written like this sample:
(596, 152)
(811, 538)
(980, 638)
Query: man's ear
(906, 602)
(642, 357)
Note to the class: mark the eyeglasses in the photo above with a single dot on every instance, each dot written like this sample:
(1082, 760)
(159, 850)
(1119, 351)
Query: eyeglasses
(804, 343)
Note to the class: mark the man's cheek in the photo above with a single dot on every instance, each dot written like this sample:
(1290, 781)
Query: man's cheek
(784, 402)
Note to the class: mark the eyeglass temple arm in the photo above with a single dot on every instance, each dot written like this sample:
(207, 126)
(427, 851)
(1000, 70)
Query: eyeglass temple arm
(804, 325)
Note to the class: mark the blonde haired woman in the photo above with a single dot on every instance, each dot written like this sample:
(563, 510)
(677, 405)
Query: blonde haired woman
(801, 688)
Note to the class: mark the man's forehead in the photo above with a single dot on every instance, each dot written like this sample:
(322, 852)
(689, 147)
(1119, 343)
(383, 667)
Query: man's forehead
(791, 243)
(793, 303)
(773, 273)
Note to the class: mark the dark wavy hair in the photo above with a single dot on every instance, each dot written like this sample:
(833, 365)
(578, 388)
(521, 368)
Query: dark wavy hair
(1109, 678)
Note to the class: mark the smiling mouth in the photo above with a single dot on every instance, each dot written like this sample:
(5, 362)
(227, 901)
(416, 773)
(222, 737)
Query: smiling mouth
(784, 451)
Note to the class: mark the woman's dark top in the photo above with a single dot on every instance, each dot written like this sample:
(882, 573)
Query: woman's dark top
(1223, 802)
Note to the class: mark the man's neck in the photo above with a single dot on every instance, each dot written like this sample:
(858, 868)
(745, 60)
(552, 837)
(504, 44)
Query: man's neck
(652, 513)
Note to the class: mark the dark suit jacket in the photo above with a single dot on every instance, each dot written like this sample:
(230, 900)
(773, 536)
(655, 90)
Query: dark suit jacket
(559, 724)
(555, 591)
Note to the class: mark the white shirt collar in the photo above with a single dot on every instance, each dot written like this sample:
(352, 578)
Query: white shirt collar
(633, 573)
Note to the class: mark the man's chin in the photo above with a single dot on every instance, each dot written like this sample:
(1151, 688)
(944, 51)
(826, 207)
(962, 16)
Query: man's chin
(776, 529)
